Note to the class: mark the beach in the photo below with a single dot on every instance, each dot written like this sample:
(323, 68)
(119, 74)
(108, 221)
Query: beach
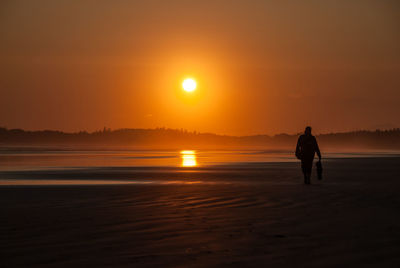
(255, 214)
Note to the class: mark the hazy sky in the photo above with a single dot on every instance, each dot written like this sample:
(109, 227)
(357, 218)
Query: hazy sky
(261, 66)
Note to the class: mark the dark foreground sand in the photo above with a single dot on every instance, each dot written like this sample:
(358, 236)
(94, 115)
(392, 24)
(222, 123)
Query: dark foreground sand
(258, 215)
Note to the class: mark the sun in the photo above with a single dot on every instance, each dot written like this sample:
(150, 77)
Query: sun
(189, 85)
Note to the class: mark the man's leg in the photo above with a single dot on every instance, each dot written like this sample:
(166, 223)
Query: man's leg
(308, 181)
(305, 177)
(307, 172)
(303, 169)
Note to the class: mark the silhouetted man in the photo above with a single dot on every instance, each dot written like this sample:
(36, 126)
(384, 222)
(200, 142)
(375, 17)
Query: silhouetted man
(306, 148)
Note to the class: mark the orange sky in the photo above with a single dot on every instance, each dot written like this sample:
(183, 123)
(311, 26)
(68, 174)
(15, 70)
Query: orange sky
(261, 66)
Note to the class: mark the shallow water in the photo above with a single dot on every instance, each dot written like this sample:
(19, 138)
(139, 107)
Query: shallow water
(151, 167)
(25, 159)
(38, 160)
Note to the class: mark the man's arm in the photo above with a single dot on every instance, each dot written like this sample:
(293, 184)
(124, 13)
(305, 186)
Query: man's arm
(297, 153)
(317, 149)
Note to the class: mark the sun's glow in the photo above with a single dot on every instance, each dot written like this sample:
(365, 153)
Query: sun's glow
(189, 85)
(188, 158)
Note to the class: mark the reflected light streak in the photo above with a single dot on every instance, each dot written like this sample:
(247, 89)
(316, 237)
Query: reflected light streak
(188, 158)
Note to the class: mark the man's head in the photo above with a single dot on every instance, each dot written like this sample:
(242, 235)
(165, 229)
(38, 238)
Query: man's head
(308, 130)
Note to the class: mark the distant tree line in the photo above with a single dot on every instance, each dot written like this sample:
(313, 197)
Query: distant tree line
(171, 138)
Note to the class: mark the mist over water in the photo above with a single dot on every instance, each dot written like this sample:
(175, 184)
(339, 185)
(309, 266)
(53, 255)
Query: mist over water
(27, 159)
(74, 167)
(44, 159)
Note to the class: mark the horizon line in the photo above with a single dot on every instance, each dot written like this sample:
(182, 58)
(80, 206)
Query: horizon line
(105, 129)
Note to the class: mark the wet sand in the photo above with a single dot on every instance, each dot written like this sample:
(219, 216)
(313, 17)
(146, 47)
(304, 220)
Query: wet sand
(247, 215)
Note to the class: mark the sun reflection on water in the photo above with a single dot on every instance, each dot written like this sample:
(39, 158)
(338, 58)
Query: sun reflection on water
(188, 158)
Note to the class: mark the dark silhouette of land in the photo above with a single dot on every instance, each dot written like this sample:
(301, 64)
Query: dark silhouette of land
(174, 138)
